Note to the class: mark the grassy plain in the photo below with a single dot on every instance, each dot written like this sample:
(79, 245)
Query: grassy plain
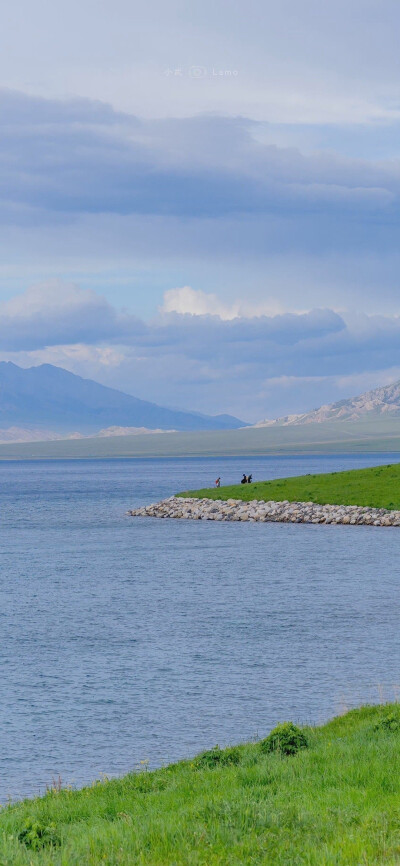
(335, 803)
(377, 487)
(372, 435)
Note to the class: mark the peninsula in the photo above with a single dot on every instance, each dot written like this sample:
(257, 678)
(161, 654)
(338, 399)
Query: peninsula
(375, 487)
(357, 497)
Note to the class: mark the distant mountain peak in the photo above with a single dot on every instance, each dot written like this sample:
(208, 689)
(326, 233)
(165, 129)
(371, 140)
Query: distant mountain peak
(384, 400)
(50, 398)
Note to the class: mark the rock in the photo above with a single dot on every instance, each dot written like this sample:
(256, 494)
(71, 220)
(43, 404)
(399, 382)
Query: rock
(185, 508)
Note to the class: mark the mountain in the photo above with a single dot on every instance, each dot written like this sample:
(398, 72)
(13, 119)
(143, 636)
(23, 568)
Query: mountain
(383, 401)
(48, 398)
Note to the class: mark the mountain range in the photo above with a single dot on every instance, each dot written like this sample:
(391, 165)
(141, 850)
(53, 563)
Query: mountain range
(47, 402)
(383, 401)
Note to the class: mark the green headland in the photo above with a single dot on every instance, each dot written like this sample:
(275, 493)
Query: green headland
(377, 487)
(327, 796)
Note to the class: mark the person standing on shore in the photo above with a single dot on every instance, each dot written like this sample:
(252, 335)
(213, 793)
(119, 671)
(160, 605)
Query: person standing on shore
(218, 482)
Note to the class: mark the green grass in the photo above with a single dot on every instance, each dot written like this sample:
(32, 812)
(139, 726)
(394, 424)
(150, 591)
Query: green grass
(335, 802)
(378, 487)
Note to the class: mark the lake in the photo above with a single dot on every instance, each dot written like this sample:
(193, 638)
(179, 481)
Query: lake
(126, 640)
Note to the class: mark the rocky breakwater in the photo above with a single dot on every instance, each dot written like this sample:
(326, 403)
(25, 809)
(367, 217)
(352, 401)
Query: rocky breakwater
(256, 510)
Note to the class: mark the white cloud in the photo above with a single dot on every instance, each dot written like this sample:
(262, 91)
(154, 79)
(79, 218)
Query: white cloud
(296, 61)
(359, 382)
(210, 200)
(55, 313)
(201, 352)
(195, 302)
(108, 163)
(76, 358)
(55, 297)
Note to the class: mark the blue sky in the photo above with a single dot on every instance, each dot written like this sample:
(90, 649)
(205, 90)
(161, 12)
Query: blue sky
(201, 205)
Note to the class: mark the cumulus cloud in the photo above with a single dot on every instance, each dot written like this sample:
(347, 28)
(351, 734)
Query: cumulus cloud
(205, 359)
(209, 199)
(55, 312)
(195, 302)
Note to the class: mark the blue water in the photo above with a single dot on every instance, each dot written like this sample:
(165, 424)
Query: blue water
(124, 640)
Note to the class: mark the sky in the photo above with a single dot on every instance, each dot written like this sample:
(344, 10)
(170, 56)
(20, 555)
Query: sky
(199, 205)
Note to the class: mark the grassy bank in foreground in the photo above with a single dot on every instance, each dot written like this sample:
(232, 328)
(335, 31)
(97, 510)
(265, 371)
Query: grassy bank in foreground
(378, 487)
(337, 801)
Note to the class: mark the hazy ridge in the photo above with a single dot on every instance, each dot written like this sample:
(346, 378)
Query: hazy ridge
(50, 400)
(383, 401)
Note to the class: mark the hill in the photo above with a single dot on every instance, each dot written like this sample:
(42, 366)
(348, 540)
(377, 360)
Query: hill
(51, 399)
(316, 796)
(381, 402)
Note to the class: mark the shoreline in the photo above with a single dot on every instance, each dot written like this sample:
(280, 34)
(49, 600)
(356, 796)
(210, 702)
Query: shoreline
(190, 508)
(283, 797)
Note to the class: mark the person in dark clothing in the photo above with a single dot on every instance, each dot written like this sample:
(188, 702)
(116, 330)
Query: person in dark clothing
(218, 482)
